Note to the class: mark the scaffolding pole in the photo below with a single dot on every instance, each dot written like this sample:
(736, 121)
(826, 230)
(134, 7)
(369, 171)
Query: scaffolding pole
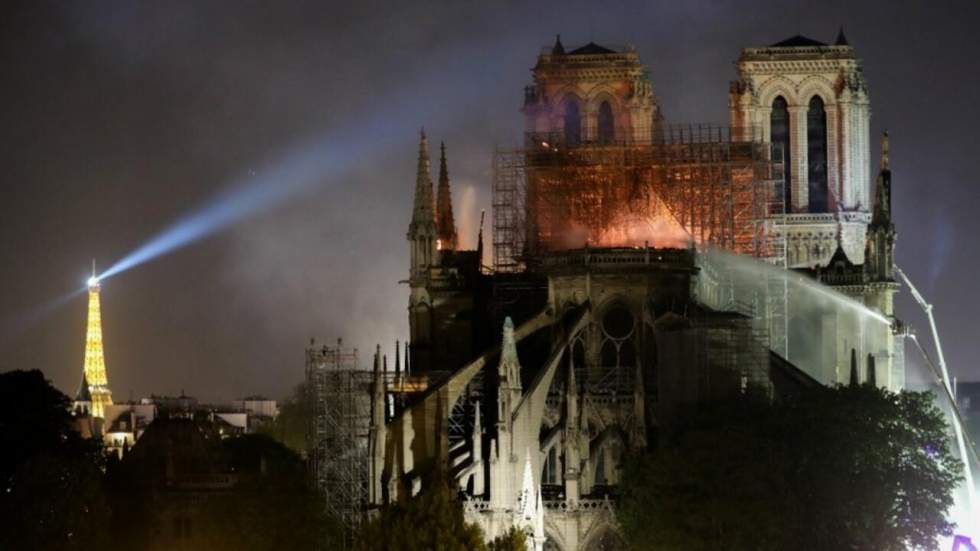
(339, 394)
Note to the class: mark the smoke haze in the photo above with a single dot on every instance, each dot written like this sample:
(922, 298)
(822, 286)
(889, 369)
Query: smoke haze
(121, 118)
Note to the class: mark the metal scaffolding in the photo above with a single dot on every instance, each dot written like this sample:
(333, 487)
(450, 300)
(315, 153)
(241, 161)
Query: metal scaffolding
(339, 393)
(702, 183)
(713, 186)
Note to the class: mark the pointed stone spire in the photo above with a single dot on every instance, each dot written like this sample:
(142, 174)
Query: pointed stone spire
(558, 48)
(529, 510)
(525, 501)
(539, 536)
(445, 223)
(872, 376)
(841, 39)
(854, 368)
(423, 215)
(422, 229)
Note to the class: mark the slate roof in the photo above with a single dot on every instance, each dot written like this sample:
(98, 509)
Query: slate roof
(590, 49)
(840, 258)
(798, 40)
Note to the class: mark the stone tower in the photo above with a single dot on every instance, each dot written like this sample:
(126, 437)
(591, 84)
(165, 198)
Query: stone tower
(440, 276)
(422, 239)
(93, 393)
(590, 94)
(422, 229)
(811, 98)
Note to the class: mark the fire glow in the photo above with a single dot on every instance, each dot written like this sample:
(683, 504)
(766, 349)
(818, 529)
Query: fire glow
(659, 232)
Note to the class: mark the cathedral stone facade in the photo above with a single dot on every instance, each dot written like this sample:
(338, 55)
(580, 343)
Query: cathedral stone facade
(527, 386)
(811, 98)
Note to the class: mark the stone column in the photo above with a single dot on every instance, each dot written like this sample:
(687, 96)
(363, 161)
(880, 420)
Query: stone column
(847, 150)
(640, 125)
(798, 158)
(862, 157)
(762, 122)
(832, 112)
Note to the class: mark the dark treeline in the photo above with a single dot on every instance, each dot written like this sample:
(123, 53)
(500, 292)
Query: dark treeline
(830, 468)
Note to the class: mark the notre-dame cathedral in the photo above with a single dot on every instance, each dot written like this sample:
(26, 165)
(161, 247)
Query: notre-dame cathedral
(640, 266)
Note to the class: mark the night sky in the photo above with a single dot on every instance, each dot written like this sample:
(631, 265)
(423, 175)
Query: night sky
(119, 118)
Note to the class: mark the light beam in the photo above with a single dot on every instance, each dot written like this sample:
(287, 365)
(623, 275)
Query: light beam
(331, 155)
(296, 174)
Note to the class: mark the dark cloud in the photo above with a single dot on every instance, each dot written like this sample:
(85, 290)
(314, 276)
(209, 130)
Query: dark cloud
(117, 118)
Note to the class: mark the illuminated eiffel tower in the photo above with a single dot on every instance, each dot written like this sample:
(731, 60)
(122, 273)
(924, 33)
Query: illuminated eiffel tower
(94, 394)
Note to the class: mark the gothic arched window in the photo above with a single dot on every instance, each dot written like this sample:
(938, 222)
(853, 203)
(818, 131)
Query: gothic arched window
(816, 151)
(573, 123)
(606, 124)
(779, 135)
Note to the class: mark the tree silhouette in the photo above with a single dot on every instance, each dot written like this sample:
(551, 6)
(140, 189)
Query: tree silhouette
(52, 494)
(853, 467)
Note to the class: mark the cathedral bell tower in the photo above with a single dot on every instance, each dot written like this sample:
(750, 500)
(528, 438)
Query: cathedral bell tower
(810, 100)
(590, 94)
